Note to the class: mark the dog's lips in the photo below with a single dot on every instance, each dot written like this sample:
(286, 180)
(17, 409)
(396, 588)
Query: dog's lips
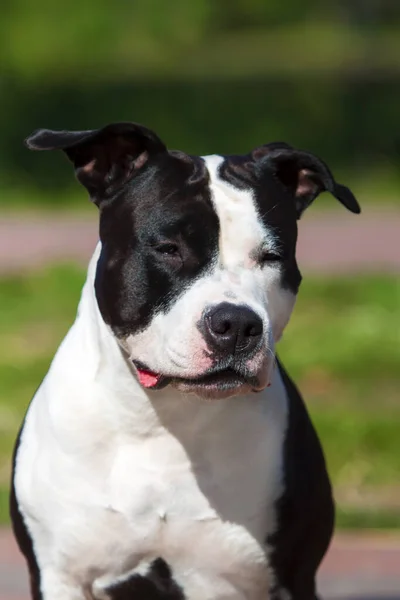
(224, 383)
(225, 376)
(219, 384)
(224, 379)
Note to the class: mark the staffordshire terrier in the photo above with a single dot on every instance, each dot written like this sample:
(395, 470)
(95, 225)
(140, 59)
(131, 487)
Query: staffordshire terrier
(167, 455)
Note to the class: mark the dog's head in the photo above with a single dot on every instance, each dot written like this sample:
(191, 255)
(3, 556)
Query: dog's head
(197, 275)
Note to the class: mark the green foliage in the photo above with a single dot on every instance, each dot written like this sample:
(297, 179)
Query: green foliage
(209, 75)
(45, 40)
(341, 347)
(94, 34)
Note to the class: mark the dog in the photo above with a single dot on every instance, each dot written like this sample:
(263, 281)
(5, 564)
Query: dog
(167, 455)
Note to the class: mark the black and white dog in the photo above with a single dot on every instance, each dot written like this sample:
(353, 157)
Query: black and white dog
(167, 455)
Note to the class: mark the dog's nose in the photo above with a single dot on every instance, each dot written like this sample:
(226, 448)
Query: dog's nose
(232, 328)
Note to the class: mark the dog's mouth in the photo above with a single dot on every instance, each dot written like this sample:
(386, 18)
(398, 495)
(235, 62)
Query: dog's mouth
(218, 382)
(149, 379)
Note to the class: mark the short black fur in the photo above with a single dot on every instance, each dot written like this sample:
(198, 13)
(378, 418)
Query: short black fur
(275, 206)
(284, 182)
(305, 512)
(157, 584)
(135, 278)
(20, 530)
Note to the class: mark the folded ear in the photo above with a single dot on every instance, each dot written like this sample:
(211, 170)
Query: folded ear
(303, 174)
(104, 159)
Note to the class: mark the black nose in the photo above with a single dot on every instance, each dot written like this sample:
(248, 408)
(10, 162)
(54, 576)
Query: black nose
(232, 328)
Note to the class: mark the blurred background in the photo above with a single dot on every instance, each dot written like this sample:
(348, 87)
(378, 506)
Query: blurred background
(214, 76)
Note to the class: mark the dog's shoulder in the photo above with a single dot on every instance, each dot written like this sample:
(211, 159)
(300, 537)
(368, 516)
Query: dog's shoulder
(305, 511)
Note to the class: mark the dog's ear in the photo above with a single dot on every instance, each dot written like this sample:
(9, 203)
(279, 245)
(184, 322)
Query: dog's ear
(303, 174)
(104, 159)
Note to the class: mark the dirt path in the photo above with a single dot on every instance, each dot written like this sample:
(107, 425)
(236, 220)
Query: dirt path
(328, 242)
(357, 567)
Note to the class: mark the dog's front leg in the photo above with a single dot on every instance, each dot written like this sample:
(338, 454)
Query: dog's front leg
(56, 585)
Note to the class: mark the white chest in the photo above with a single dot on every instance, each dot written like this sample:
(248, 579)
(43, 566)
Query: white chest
(202, 500)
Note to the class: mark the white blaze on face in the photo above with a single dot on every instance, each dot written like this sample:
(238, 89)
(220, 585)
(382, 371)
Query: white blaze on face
(241, 230)
(242, 237)
(172, 344)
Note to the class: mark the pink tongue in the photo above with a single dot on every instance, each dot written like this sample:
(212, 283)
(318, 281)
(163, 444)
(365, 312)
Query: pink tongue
(147, 378)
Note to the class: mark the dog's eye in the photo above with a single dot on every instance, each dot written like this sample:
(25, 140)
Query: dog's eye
(168, 249)
(266, 256)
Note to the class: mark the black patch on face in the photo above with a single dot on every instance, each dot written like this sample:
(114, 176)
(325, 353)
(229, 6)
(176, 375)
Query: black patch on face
(275, 206)
(158, 584)
(158, 234)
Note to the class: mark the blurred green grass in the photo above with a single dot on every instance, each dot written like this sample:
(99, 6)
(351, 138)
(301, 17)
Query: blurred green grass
(341, 347)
